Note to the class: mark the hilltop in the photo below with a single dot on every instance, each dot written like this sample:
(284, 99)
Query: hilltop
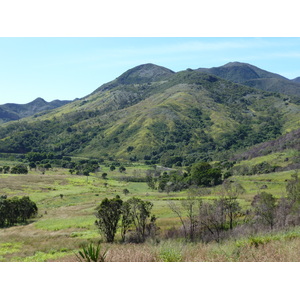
(154, 114)
(12, 111)
(255, 77)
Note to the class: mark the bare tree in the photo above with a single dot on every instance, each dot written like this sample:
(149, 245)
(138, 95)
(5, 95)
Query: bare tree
(178, 211)
(265, 208)
(229, 193)
(212, 218)
(188, 215)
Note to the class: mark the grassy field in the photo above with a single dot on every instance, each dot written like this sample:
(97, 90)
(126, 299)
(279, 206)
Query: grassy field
(65, 221)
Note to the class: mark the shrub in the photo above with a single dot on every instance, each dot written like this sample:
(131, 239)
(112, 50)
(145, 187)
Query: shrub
(170, 255)
(91, 253)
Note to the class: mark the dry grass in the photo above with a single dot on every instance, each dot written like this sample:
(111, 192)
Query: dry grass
(274, 251)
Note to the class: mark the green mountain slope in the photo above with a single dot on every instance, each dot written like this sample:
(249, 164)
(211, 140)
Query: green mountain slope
(255, 77)
(11, 111)
(152, 113)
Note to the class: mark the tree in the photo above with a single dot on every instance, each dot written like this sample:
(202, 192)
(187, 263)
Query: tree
(264, 205)
(104, 175)
(188, 217)
(126, 219)
(6, 169)
(32, 165)
(140, 212)
(130, 148)
(122, 169)
(112, 167)
(212, 219)
(19, 169)
(125, 191)
(203, 174)
(230, 191)
(108, 214)
(87, 174)
(293, 189)
(16, 210)
(177, 210)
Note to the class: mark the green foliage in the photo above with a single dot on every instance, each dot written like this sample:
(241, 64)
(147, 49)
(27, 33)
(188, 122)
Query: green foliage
(203, 174)
(16, 210)
(91, 253)
(170, 255)
(108, 214)
(191, 117)
(126, 219)
(19, 169)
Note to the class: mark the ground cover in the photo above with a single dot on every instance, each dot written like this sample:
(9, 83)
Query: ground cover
(65, 221)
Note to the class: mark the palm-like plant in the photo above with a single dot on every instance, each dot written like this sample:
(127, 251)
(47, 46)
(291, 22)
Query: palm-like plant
(92, 253)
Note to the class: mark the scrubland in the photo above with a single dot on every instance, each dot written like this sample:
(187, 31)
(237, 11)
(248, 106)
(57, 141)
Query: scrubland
(66, 221)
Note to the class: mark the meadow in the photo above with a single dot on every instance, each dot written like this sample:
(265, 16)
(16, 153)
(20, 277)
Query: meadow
(66, 220)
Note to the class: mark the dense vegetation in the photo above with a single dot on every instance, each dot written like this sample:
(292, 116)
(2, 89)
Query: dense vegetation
(16, 210)
(197, 160)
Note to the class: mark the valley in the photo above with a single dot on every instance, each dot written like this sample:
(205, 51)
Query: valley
(208, 158)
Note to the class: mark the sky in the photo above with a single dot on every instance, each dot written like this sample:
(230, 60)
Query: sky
(66, 68)
(65, 49)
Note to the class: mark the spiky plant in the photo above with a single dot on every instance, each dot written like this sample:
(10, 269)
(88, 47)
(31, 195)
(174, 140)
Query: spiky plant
(91, 253)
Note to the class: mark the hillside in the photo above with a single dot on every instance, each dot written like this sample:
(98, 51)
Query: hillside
(151, 113)
(255, 77)
(12, 111)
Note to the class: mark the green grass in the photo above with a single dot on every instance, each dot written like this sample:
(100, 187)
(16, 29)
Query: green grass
(54, 224)
(8, 248)
(65, 222)
(43, 256)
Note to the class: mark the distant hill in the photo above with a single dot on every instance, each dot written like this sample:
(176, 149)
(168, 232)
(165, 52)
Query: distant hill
(12, 111)
(255, 77)
(297, 79)
(153, 114)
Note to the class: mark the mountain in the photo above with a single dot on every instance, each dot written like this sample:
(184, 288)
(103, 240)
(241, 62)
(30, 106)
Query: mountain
(11, 111)
(145, 73)
(154, 114)
(255, 77)
(297, 79)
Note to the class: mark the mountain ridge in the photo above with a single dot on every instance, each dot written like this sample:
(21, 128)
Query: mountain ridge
(187, 116)
(174, 118)
(255, 77)
(13, 111)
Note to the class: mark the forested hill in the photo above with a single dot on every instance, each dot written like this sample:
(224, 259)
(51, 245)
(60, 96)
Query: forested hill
(153, 114)
(255, 77)
(12, 111)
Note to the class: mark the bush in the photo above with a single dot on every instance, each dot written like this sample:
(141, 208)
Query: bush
(170, 255)
(91, 253)
(19, 169)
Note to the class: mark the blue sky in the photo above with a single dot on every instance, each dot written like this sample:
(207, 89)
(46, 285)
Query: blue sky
(69, 68)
